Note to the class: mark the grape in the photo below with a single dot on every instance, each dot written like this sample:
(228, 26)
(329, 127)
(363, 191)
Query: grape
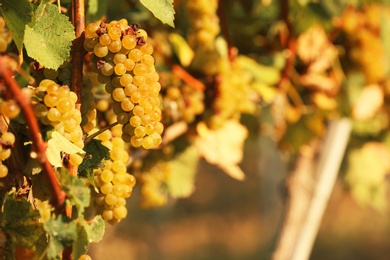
(127, 105)
(85, 257)
(100, 50)
(10, 109)
(118, 94)
(105, 39)
(3, 171)
(135, 55)
(120, 212)
(115, 46)
(139, 80)
(119, 58)
(126, 79)
(120, 69)
(129, 42)
(129, 64)
(75, 159)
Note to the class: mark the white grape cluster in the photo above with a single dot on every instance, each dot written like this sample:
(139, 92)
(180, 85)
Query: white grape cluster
(124, 63)
(7, 140)
(113, 181)
(55, 106)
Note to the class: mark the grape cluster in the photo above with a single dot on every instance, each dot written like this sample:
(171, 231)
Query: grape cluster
(54, 105)
(5, 35)
(113, 181)
(180, 101)
(204, 22)
(124, 63)
(234, 89)
(153, 190)
(7, 140)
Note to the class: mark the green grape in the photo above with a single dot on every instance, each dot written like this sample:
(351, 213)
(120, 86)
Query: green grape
(147, 60)
(85, 257)
(114, 31)
(54, 114)
(107, 69)
(147, 49)
(100, 50)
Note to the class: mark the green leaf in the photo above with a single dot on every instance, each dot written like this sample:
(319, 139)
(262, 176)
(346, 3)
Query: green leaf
(181, 48)
(80, 245)
(265, 74)
(183, 169)
(162, 10)
(62, 232)
(95, 154)
(57, 144)
(40, 187)
(95, 230)
(78, 194)
(50, 37)
(20, 222)
(17, 15)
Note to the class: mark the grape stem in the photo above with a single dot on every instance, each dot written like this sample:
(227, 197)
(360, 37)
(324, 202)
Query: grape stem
(101, 130)
(39, 146)
(187, 78)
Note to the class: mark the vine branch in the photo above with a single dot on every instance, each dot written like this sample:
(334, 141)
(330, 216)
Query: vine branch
(188, 78)
(39, 146)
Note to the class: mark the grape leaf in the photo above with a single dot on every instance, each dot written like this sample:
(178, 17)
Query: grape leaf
(95, 229)
(223, 147)
(17, 15)
(62, 232)
(49, 38)
(366, 174)
(20, 222)
(78, 194)
(265, 74)
(183, 168)
(80, 245)
(181, 48)
(161, 9)
(95, 154)
(57, 144)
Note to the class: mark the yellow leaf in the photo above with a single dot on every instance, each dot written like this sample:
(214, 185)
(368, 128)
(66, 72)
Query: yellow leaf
(368, 103)
(223, 147)
(183, 51)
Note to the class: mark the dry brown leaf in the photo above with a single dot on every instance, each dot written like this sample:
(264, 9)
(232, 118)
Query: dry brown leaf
(368, 103)
(223, 147)
(312, 43)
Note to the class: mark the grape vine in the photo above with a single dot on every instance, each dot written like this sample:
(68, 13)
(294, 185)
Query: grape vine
(95, 107)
